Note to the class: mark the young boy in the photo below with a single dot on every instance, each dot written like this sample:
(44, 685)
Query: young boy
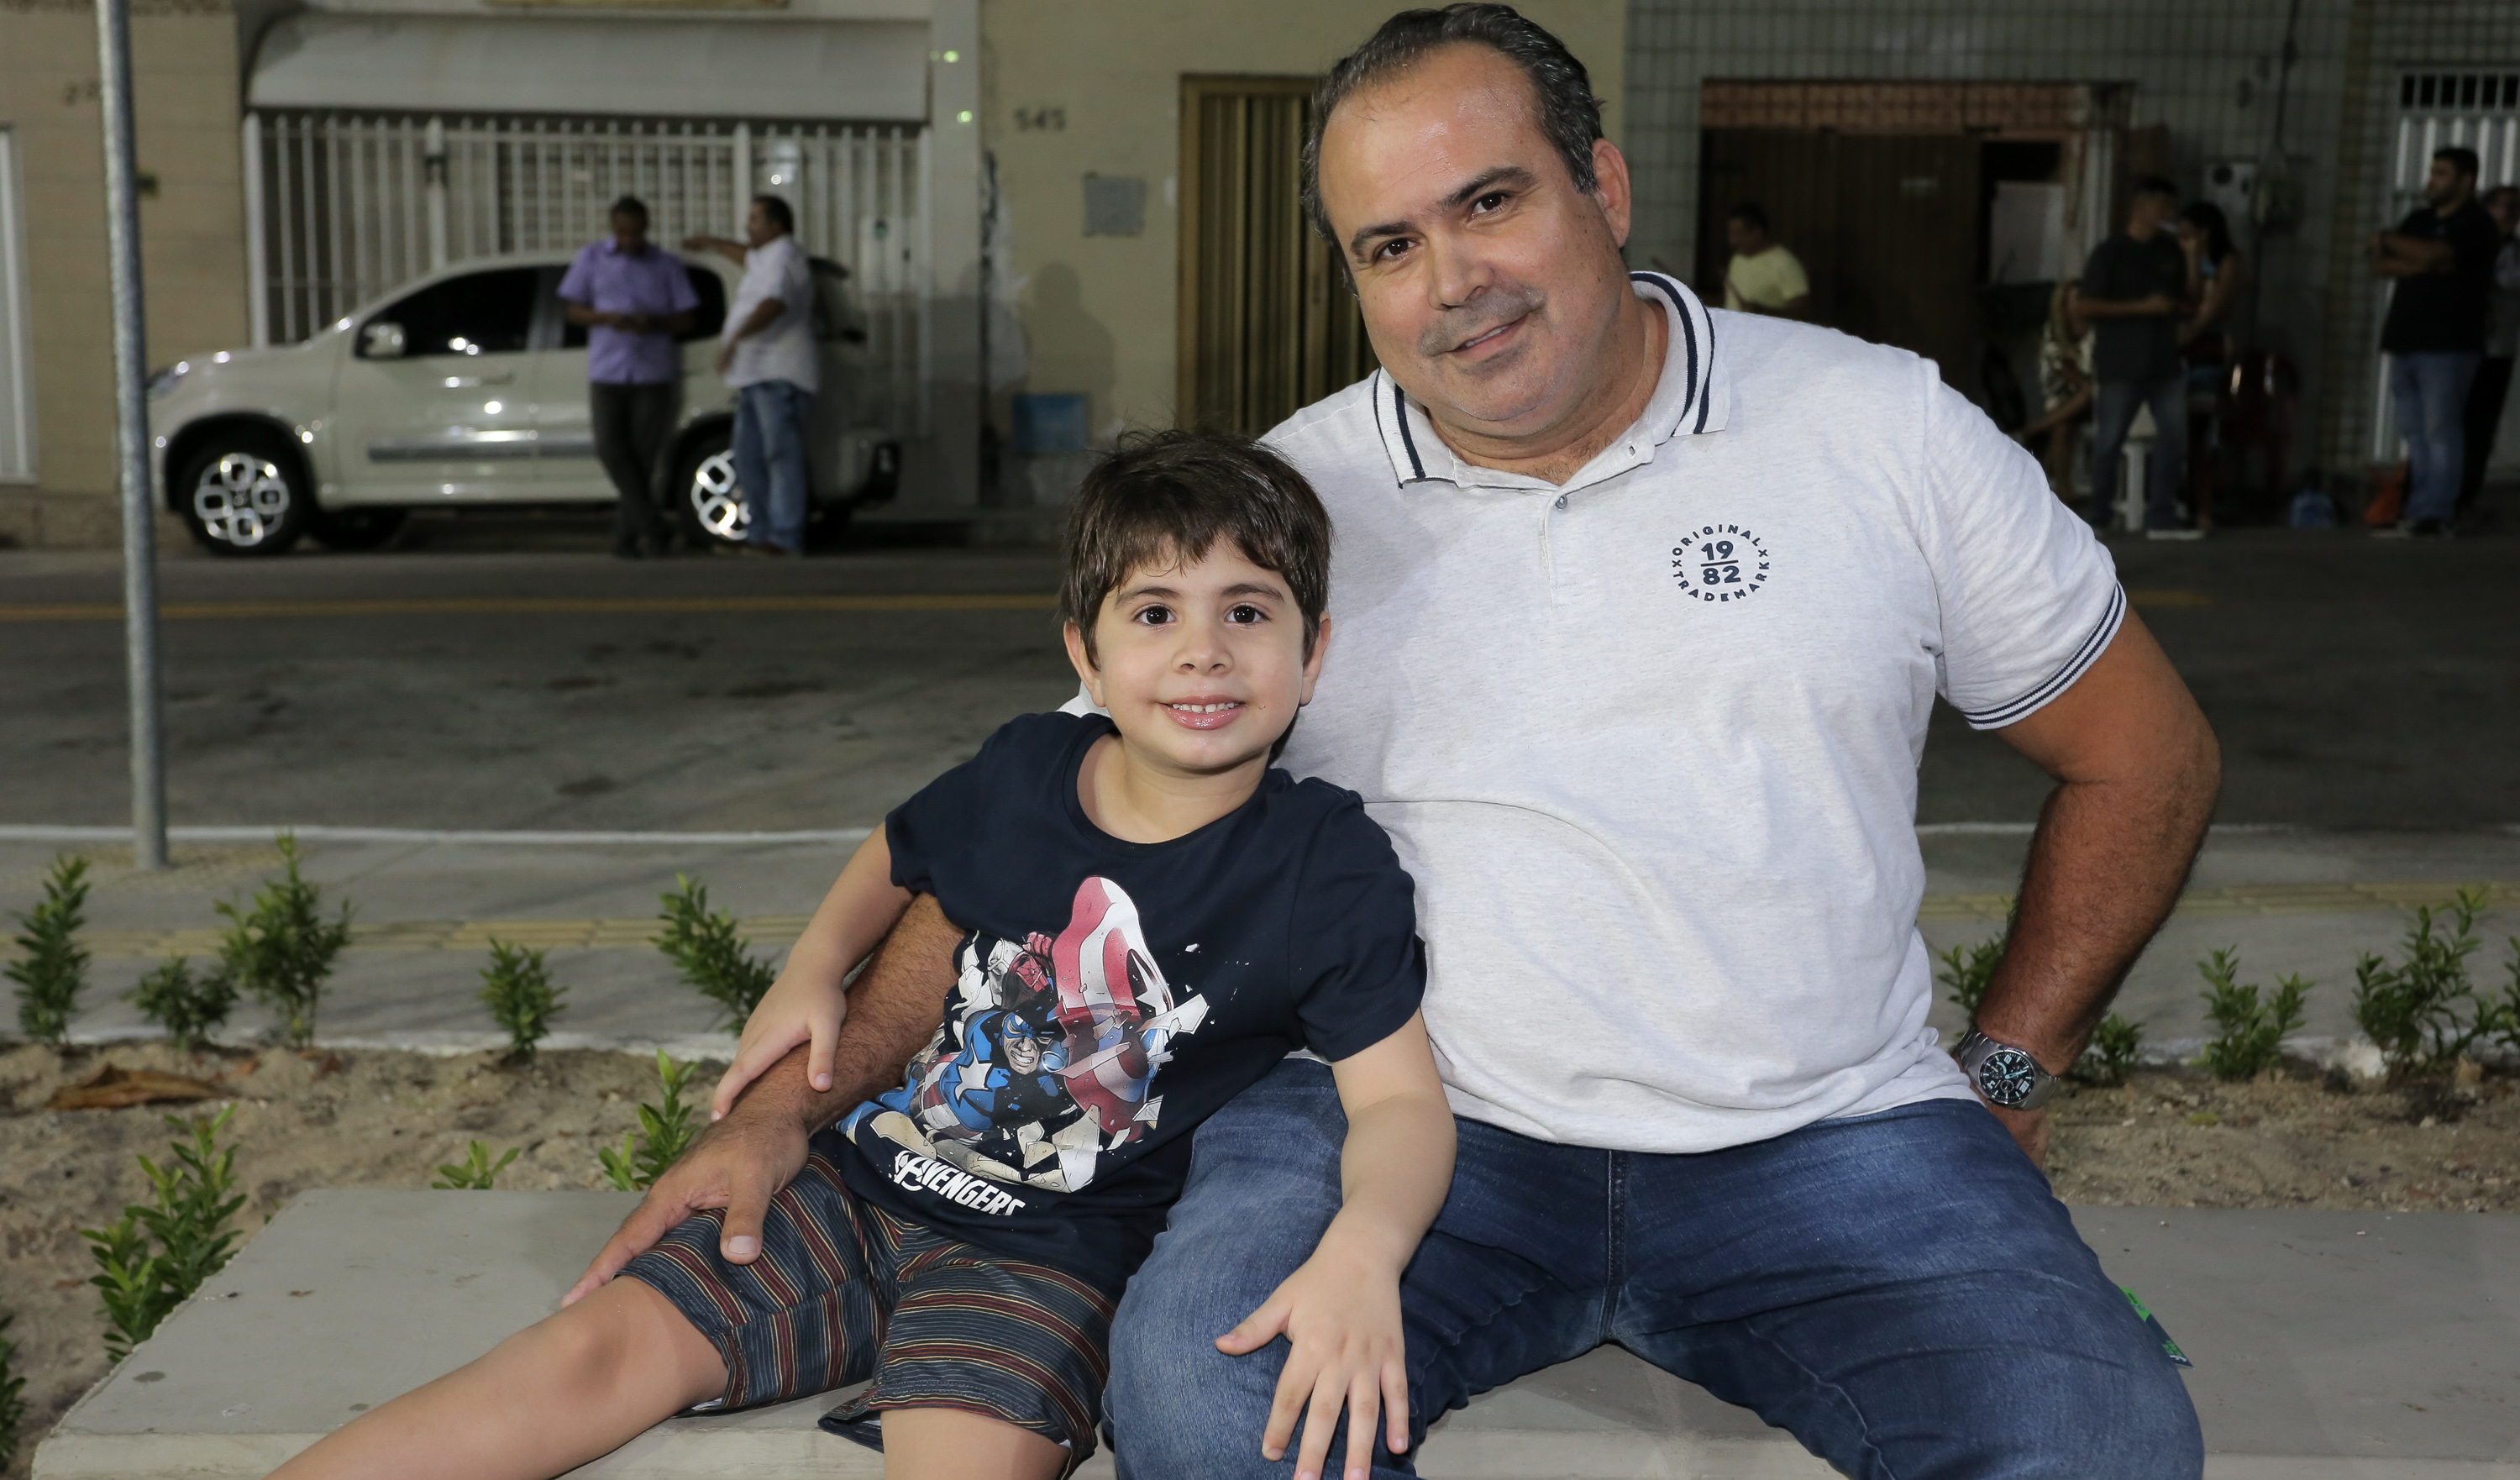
(1156, 918)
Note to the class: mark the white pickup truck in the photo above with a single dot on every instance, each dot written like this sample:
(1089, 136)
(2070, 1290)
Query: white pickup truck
(466, 388)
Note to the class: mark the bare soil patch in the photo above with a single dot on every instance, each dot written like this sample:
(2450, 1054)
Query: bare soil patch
(2169, 1137)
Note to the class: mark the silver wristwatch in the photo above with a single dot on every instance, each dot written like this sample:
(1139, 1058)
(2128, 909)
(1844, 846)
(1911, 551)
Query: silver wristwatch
(2005, 1075)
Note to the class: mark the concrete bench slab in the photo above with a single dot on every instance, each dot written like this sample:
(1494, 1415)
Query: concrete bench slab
(2329, 1346)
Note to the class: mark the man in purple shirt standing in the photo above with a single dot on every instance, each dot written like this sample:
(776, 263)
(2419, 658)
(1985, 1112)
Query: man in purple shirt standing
(633, 297)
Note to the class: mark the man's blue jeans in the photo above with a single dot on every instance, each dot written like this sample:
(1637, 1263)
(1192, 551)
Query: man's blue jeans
(2431, 396)
(2113, 409)
(770, 460)
(1900, 1291)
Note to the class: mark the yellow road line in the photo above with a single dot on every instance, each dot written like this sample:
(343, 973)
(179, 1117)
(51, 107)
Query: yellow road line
(771, 932)
(535, 605)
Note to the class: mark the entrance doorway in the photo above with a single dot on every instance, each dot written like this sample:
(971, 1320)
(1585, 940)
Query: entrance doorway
(1267, 322)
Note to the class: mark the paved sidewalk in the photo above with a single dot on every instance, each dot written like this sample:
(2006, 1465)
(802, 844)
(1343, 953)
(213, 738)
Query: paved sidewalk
(428, 905)
(2327, 1346)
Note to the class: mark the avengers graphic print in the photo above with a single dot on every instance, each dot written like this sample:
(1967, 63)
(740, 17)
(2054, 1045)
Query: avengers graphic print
(1045, 1062)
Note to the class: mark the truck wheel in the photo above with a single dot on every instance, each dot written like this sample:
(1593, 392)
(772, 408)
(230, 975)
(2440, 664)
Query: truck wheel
(357, 528)
(707, 503)
(243, 492)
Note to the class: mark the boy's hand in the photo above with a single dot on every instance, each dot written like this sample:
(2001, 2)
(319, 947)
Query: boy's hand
(1340, 1315)
(800, 1008)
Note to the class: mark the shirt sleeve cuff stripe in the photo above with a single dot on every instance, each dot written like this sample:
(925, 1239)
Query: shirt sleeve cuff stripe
(2063, 678)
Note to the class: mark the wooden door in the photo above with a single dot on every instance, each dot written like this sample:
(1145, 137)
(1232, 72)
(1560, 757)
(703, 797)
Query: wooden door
(1268, 325)
(1885, 224)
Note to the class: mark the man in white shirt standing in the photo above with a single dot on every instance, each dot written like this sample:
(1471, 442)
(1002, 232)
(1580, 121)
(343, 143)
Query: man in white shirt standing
(1641, 614)
(769, 363)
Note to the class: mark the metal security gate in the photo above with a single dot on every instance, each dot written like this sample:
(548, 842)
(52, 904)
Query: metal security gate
(2437, 111)
(348, 207)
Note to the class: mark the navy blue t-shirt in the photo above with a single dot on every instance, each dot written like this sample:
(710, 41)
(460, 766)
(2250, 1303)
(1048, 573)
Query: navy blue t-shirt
(1111, 995)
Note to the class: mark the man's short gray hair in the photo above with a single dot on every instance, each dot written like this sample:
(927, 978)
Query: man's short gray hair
(1569, 116)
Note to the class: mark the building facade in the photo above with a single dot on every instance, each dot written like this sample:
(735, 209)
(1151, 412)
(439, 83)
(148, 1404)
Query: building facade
(1075, 216)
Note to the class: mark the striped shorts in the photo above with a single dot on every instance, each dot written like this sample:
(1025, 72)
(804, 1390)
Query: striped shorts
(844, 1291)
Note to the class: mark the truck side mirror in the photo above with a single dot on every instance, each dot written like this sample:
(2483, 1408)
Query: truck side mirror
(380, 340)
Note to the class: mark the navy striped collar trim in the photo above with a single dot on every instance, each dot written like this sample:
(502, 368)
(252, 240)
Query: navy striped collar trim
(1699, 407)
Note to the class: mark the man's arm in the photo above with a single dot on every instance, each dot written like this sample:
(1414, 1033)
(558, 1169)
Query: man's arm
(2157, 305)
(741, 1161)
(2395, 255)
(2137, 771)
(733, 252)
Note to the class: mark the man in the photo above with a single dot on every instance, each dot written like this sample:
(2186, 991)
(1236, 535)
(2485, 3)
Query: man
(2492, 384)
(2442, 256)
(1642, 723)
(2133, 288)
(1763, 277)
(769, 362)
(634, 301)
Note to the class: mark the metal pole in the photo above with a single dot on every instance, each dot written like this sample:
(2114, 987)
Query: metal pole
(131, 436)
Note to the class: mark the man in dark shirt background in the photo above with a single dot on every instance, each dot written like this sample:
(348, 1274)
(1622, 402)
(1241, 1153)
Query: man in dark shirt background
(2492, 383)
(2443, 258)
(2133, 288)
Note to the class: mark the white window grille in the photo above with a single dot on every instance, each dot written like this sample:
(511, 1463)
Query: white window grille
(350, 206)
(2479, 110)
(17, 356)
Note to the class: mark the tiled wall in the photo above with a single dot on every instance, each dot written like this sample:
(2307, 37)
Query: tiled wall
(2209, 69)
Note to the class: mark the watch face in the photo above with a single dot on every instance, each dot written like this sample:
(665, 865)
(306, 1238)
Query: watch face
(2007, 1076)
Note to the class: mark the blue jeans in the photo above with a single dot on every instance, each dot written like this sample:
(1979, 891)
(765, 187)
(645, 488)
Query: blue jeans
(2113, 410)
(2431, 396)
(770, 460)
(1900, 1291)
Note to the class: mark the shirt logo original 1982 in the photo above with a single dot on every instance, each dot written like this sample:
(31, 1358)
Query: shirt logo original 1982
(1720, 562)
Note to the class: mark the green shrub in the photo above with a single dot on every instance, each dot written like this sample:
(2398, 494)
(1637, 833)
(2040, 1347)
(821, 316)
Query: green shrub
(712, 955)
(663, 1134)
(2423, 1013)
(1968, 970)
(188, 1009)
(53, 969)
(2249, 1033)
(157, 1254)
(281, 951)
(12, 1394)
(2111, 1054)
(2506, 1015)
(517, 989)
(474, 1173)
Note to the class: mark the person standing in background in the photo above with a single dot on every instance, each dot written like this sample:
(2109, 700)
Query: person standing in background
(634, 301)
(2216, 273)
(2485, 395)
(1763, 277)
(769, 363)
(2133, 291)
(2441, 255)
(2065, 389)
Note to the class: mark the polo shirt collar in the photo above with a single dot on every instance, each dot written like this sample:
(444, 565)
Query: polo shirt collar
(1693, 398)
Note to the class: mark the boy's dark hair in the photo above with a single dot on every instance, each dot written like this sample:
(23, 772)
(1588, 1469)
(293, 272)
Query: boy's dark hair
(1751, 214)
(2152, 184)
(1171, 496)
(1568, 113)
(629, 205)
(777, 210)
(2461, 158)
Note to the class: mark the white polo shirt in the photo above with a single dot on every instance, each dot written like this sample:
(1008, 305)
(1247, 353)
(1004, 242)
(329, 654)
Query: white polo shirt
(783, 351)
(1648, 741)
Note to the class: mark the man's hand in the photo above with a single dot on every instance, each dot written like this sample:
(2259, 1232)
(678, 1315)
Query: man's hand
(2029, 1130)
(726, 357)
(739, 1163)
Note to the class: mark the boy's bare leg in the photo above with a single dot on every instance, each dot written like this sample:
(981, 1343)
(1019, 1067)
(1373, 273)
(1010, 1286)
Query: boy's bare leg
(554, 1396)
(952, 1444)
